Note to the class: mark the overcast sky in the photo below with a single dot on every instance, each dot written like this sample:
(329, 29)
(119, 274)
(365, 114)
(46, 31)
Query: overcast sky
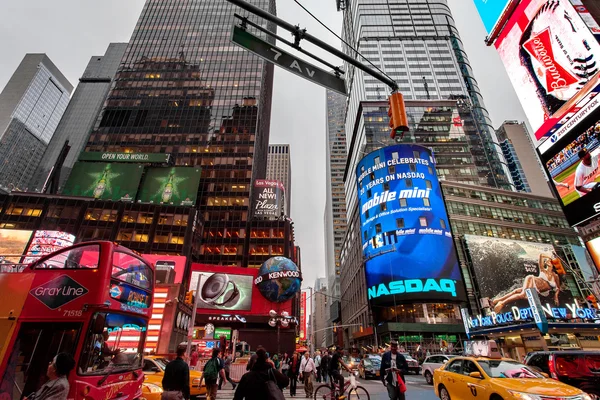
(71, 31)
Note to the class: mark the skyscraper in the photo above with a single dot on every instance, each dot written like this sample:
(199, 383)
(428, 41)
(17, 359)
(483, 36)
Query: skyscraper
(279, 168)
(31, 106)
(81, 114)
(416, 43)
(335, 205)
(185, 90)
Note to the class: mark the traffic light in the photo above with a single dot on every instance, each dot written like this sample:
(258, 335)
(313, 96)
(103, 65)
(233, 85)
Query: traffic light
(397, 114)
(592, 300)
(558, 267)
(189, 297)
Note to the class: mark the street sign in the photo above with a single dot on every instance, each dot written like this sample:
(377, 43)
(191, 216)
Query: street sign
(287, 61)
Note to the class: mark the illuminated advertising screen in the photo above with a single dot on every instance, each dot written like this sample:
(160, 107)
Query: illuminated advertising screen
(593, 247)
(223, 291)
(104, 181)
(302, 326)
(570, 158)
(403, 217)
(165, 262)
(549, 54)
(176, 186)
(267, 198)
(12, 245)
(46, 242)
(490, 12)
(504, 268)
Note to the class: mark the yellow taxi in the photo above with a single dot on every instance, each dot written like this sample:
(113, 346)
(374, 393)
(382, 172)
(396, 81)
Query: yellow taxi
(154, 370)
(496, 378)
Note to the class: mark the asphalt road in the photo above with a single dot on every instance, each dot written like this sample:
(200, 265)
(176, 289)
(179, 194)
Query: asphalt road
(417, 390)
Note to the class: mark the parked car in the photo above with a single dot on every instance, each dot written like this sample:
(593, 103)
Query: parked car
(413, 365)
(464, 378)
(432, 363)
(154, 370)
(576, 368)
(369, 367)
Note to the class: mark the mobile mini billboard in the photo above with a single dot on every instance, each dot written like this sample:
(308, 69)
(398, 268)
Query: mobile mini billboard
(104, 181)
(504, 268)
(550, 54)
(176, 186)
(405, 231)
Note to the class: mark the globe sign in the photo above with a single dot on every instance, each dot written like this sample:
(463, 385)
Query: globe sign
(278, 279)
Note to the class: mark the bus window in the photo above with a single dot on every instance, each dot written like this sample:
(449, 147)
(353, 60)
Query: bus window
(130, 269)
(118, 347)
(77, 258)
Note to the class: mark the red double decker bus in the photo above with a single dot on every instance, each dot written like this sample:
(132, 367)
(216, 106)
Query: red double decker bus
(91, 300)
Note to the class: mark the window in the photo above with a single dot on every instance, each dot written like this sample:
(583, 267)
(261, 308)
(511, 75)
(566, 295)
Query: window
(395, 155)
(469, 366)
(423, 221)
(378, 228)
(386, 186)
(383, 206)
(426, 202)
(130, 269)
(427, 183)
(409, 183)
(366, 235)
(392, 169)
(412, 167)
(77, 258)
(402, 202)
(455, 366)
(377, 160)
(442, 223)
(399, 222)
(416, 154)
(369, 194)
(118, 347)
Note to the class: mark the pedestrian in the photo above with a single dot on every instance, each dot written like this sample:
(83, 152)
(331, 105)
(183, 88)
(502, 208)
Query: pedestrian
(226, 367)
(251, 362)
(293, 371)
(253, 386)
(276, 361)
(325, 366)
(318, 365)
(285, 363)
(392, 370)
(211, 372)
(194, 359)
(176, 380)
(57, 387)
(307, 369)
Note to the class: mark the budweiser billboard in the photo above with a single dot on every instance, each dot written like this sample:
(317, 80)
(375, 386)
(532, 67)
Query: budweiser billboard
(549, 54)
(267, 199)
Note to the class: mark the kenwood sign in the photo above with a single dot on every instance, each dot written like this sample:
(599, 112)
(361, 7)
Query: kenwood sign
(277, 275)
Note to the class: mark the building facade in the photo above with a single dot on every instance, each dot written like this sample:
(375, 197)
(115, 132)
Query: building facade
(279, 168)
(319, 317)
(525, 169)
(80, 116)
(31, 106)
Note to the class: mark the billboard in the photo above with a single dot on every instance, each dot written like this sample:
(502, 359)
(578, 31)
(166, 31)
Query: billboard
(249, 301)
(267, 199)
(593, 247)
(403, 217)
(104, 181)
(13, 243)
(176, 186)
(549, 54)
(162, 261)
(570, 158)
(302, 325)
(124, 157)
(490, 12)
(505, 268)
(46, 242)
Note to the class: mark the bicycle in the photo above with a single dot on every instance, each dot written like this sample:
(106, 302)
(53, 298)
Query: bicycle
(356, 392)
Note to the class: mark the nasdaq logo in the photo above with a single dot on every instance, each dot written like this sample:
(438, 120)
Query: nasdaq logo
(413, 286)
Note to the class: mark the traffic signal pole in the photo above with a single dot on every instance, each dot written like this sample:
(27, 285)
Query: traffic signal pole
(300, 34)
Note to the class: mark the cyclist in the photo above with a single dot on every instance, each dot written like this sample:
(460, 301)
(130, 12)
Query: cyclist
(392, 363)
(334, 370)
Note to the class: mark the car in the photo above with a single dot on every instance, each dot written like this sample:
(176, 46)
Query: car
(413, 365)
(497, 379)
(154, 370)
(432, 363)
(369, 367)
(351, 362)
(576, 368)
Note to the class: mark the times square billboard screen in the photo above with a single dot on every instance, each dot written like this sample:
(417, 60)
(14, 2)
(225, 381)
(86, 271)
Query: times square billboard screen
(550, 54)
(405, 231)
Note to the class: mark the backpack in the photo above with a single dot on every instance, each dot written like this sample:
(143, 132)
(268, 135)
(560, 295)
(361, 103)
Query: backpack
(274, 392)
(211, 372)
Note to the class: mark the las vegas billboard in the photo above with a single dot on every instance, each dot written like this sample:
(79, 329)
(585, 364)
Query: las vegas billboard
(405, 231)
(549, 54)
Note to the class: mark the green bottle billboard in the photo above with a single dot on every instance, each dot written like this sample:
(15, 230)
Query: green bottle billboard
(176, 186)
(104, 181)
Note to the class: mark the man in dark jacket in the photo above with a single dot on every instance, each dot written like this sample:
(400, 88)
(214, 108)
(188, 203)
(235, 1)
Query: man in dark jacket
(176, 381)
(253, 386)
(393, 362)
(325, 366)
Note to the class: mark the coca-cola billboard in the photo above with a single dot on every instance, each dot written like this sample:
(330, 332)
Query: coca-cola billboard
(549, 54)
(267, 199)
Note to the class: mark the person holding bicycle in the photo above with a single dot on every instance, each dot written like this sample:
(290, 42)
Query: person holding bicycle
(335, 364)
(393, 367)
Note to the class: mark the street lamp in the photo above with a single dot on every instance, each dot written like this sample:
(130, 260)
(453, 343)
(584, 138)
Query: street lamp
(280, 321)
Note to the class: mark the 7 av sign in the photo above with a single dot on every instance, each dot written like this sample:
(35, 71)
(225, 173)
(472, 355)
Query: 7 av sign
(287, 61)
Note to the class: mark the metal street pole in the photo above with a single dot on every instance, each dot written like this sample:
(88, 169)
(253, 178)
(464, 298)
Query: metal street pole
(301, 34)
(312, 325)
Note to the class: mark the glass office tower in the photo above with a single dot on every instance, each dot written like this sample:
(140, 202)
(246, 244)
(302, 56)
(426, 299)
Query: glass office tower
(184, 89)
